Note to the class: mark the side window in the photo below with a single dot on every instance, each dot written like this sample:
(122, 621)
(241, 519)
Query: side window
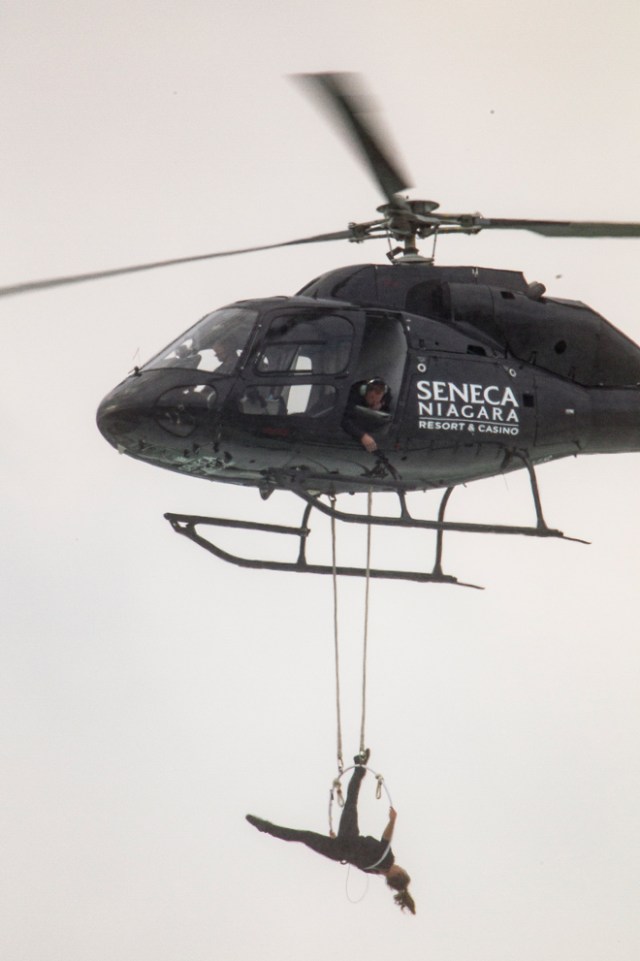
(306, 344)
(280, 400)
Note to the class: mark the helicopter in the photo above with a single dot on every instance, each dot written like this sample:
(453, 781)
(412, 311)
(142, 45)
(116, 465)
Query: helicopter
(482, 374)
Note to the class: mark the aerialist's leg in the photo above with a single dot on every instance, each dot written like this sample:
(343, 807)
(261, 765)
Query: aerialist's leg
(349, 818)
(329, 847)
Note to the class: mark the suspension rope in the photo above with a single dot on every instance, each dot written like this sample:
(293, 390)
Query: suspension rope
(366, 627)
(335, 637)
(365, 643)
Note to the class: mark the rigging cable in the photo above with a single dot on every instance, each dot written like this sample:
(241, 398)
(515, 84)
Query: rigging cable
(335, 636)
(336, 644)
(336, 787)
(366, 626)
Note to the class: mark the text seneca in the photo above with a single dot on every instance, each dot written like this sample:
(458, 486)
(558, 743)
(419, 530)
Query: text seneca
(442, 390)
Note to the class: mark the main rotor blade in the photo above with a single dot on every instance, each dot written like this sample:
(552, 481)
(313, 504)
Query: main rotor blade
(119, 271)
(344, 94)
(563, 228)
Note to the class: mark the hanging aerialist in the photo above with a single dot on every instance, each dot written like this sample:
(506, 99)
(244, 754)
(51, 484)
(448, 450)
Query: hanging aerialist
(349, 846)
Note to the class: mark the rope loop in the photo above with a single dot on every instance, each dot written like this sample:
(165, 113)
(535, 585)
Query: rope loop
(337, 787)
(335, 792)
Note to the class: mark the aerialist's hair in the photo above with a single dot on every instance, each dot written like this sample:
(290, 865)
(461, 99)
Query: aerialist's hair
(400, 883)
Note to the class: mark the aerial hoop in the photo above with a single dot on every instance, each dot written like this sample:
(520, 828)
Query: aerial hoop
(336, 792)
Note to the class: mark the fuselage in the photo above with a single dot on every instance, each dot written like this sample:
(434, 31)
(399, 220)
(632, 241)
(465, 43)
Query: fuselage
(483, 375)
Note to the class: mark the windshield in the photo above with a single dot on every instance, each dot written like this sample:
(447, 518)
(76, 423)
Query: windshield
(213, 345)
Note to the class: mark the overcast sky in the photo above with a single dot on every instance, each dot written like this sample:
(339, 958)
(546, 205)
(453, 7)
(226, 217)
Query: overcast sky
(151, 695)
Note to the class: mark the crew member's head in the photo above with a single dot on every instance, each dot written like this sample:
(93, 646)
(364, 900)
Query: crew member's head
(374, 392)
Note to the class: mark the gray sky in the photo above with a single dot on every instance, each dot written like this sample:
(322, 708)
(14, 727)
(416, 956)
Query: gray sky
(150, 694)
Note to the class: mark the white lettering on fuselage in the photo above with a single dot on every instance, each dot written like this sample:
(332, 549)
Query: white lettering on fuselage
(487, 409)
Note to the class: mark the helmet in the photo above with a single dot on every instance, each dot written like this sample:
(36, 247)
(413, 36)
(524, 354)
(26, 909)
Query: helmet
(374, 382)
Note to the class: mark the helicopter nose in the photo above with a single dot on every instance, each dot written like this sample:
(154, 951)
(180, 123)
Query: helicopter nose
(117, 422)
(154, 409)
(123, 413)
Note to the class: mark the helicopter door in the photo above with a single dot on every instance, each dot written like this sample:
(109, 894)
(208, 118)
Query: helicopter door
(292, 382)
(383, 354)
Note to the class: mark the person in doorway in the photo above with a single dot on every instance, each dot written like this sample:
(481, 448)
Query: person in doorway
(349, 846)
(373, 394)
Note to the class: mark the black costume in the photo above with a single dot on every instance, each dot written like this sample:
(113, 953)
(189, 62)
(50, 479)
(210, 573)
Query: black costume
(353, 422)
(349, 846)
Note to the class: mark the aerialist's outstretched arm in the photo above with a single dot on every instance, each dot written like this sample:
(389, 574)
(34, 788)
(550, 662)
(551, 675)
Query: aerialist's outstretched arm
(387, 834)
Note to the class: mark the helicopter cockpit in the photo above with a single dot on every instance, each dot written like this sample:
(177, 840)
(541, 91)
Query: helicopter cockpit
(282, 358)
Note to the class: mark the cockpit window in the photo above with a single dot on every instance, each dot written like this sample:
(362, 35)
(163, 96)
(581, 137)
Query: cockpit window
(306, 344)
(213, 345)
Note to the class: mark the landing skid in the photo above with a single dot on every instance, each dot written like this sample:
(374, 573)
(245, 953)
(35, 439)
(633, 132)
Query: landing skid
(186, 525)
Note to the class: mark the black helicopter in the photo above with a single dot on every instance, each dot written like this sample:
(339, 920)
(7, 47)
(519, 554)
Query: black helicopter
(483, 374)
